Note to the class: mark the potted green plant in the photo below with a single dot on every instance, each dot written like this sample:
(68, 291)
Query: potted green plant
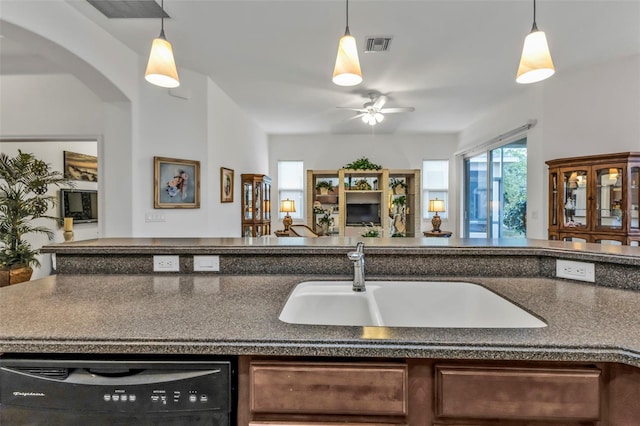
(371, 230)
(24, 184)
(399, 186)
(325, 221)
(324, 186)
(362, 164)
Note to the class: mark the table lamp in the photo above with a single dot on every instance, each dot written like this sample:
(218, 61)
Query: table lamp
(287, 206)
(436, 206)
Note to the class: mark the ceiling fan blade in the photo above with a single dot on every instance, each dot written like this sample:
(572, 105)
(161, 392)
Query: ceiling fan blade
(379, 103)
(356, 116)
(353, 109)
(392, 110)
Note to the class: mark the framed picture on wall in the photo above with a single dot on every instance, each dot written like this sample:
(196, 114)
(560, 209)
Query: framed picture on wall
(226, 185)
(80, 166)
(176, 183)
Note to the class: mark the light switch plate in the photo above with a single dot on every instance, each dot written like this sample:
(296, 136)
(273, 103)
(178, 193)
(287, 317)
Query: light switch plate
(206, 263)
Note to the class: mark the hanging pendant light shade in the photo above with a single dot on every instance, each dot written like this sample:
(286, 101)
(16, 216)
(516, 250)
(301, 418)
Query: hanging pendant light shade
(347, 70)
(161, 68)
(535, 62)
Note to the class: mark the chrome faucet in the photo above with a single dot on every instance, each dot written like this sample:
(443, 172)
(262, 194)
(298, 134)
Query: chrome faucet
(357, 257)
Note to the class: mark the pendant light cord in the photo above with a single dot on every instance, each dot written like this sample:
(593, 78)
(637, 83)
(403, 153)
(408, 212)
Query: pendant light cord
(346, 31)
(162, 20)
(535, 26)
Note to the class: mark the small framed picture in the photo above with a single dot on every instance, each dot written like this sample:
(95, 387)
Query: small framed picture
(80, 166)
(226, 185)
(176, 183)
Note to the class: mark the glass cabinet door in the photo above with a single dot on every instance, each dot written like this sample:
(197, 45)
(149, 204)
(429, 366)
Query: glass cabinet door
(247, 190)
(575, 201)
(266, 203)
(258, 201)
(609, 197)
(553, 208)
(634, 201)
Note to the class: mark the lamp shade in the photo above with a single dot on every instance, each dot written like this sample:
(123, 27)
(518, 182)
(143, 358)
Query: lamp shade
(287, 206)
(535, 62)
(347, 70)
(436, 206)
(161, 68)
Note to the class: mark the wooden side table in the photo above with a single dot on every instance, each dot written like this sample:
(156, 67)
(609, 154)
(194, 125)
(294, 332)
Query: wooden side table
(441, 234)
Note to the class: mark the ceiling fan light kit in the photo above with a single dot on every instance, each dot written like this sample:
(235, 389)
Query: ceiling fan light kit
(161, 68)
(535, 63)
(347, 70)
(373, 111)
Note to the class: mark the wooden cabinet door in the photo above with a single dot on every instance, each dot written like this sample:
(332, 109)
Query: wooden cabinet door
(517, 393)
(369, 389)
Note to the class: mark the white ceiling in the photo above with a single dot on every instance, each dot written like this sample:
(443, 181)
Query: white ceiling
(450, 59)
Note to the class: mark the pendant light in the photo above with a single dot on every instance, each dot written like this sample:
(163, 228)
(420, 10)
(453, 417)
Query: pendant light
(535, 63)
(347, 70)
(161, 68)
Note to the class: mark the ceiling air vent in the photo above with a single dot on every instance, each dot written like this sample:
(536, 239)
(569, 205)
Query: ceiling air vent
(128, 9)
(377, 44)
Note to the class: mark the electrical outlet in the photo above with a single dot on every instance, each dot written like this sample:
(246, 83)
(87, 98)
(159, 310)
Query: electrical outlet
(206, 263)
(166, 263)
(581, 271)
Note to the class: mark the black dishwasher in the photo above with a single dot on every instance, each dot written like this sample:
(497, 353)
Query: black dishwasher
(62, 390)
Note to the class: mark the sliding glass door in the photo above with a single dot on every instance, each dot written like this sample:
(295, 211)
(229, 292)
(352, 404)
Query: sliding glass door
(495, 192)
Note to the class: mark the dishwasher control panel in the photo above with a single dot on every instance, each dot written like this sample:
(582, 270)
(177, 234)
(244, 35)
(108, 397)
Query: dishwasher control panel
(130, 387)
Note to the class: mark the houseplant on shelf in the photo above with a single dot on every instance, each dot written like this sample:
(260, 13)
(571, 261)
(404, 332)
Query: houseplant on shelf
(326, 221)
(24, 182)
(324, 186)
(398, 186)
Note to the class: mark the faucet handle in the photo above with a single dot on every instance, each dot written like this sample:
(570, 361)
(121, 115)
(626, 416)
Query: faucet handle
(360, 247)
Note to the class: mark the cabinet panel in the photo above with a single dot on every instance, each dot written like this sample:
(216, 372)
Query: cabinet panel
(319, 388)
(517, 393)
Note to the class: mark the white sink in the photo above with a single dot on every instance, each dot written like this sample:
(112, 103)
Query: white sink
(404, 304)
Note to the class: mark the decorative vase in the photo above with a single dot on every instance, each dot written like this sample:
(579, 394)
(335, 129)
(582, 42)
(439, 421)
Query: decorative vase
(68, 235)
(325, 228)
(324, 191)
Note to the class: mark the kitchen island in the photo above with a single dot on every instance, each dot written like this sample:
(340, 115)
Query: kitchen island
(98, 309)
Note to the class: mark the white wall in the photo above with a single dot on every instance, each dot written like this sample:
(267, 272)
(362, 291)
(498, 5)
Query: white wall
(580, 112)
(133, 121)
(332, 152)
(26, 110)
(52, 153)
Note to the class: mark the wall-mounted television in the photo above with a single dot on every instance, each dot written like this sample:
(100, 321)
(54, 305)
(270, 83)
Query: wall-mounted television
(366, 213)
(80, 204)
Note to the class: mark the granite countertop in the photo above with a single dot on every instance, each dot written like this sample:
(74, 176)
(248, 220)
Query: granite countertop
(204, 314)
(616, 254)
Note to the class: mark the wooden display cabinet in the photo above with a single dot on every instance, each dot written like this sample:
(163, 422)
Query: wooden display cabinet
(363, 201)
(360, 197)
(595, 198)
(323, 200)
(405, 214)
(256, 205)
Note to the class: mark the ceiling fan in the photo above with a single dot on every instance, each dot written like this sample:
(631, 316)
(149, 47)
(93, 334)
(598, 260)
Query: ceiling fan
(373, 112)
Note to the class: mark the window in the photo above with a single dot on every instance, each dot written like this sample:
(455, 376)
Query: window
(291, 186)
(496, 192)
(435, 184)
